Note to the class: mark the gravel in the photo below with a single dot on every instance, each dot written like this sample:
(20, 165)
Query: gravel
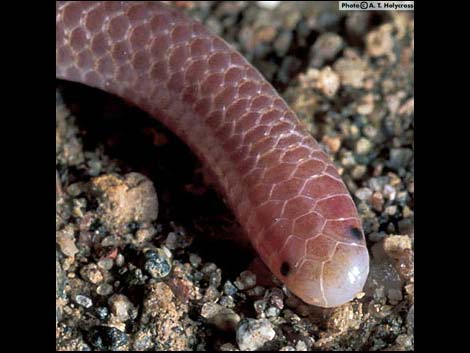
(221, 317)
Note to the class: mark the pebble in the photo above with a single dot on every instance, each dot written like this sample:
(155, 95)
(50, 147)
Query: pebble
(66, 241)
(389, 192)
(256, 291)
(228, 347)
(143, 340)
(291, 20)
(211, 294)
(289, 67)
(120, 260)
(382, 277)
(75, 189)
(363, 194)
(363, 146)
(264, 34)
(123, 200)
(325, 48)
(198, 276)
(410, 291)
(177, 240)
(195, 260)
(107, 338)
(83, 300)
(378, 169)
(354, 131)
(227, 301)
(282, 43)
(358, 172)
(276, 297)
(121, 307)
(272, 311)
(399, 158)
(290, 316)
(260, 306)
(78, 208)
(106, 263)
(223, 318)
(229, 288)
(287, 348)
(402, 197)
(380, 41)
(102, 312)
(344, 318)
(91, 273)
(396, 245)
(157, 263)
(348, 159)
(351, 70)
(394, 296)
(333, 143)
(370, 131)
(377, 183)
(357, 23)
(393, 102)
(391, 210)
(246, 280)
(301, 346)
(215, 278)
(404, 342)
(104, 289)
(407, 108)
(145, 234)
(407, 212)
(405, 265)
(94, 165)
(110, 240)
(366, 106)
(268, 4)
(253, 334)
(328, 82)
(377, 201)
(208, 268)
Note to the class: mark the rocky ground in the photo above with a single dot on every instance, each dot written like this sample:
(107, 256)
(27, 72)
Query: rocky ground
(147, 257)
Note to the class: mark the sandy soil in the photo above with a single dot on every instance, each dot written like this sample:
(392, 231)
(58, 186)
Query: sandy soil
(149, 257)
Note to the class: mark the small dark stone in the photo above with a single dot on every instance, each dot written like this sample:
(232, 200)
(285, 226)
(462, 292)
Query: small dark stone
(133, 277)
(98, 228)
(229, 288)
(133, 226)
(102, 312)
(107, 338)
(157, 263)
(285, 269)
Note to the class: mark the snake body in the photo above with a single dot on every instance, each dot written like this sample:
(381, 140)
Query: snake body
(283, 189)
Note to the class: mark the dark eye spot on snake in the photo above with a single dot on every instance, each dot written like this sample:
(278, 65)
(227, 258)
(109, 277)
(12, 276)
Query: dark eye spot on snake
(285, 269)
(355, 233)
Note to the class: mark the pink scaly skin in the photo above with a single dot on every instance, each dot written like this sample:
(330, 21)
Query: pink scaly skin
(283, 189)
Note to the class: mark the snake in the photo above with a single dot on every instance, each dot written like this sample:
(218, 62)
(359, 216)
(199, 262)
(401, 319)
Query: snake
(282, 187)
